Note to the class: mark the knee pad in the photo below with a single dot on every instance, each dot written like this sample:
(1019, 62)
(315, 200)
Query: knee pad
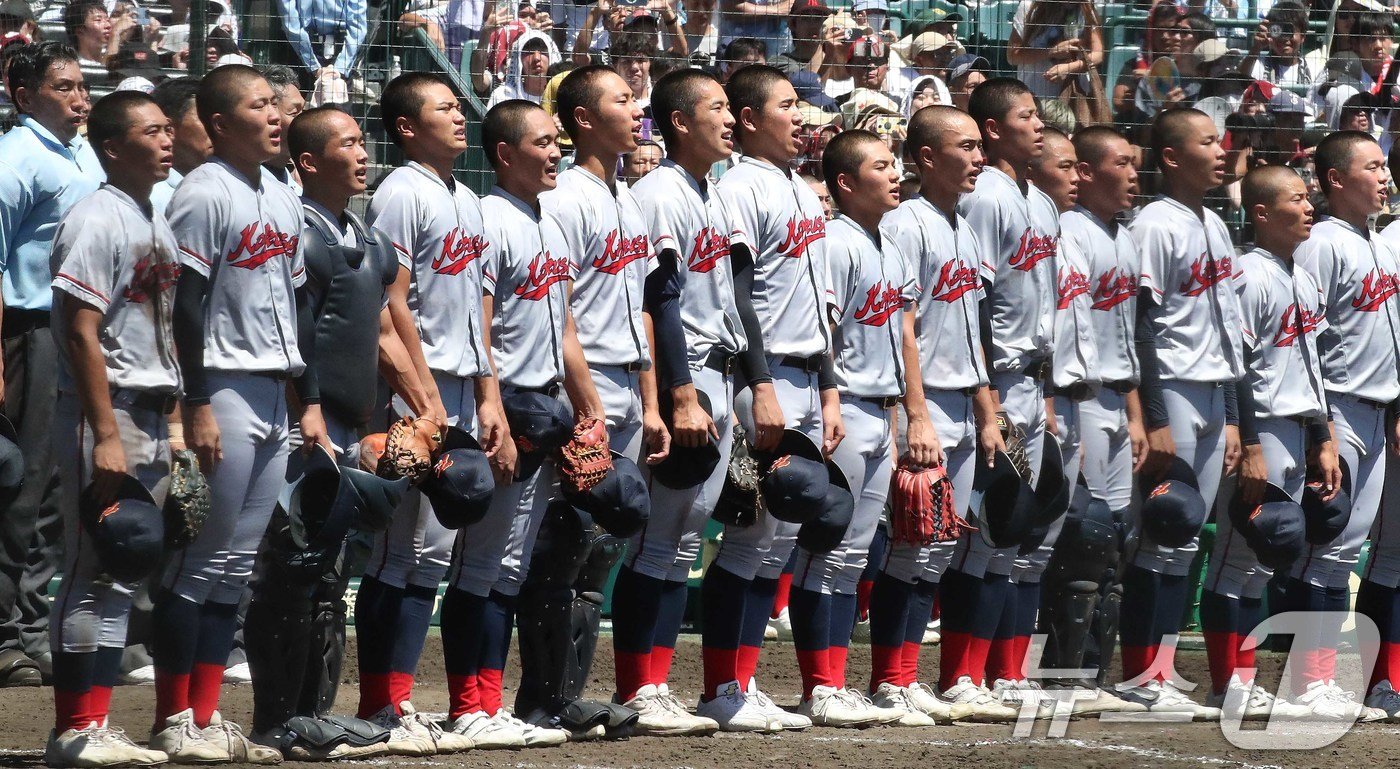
(603, 552)
(1088, 546)
(562, 547)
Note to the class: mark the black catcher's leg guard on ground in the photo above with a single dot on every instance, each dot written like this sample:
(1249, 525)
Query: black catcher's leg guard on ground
(1087, 549)
(277, 634)
(326, 650)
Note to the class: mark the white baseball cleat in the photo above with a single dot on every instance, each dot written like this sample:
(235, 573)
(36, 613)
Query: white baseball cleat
(1326, 701)
(142, 676)
(1014, 694)
(733, 711)
(779, 627)
(699, 725)
(981, 704)
(656, 717)
(229, 737)
(1252, 702)
(534, 736)
(784, 718)
(829, 706)
(185, 743)
(887, 696)
(444, 741)
(923, 698)
(1095, 701)
(238, 674)
(485, 732)
(97, 745)
(1161, 697)
(406, 738)
(931, 633)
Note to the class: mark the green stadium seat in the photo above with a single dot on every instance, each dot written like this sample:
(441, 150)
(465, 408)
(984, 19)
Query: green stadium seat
(1117, 57)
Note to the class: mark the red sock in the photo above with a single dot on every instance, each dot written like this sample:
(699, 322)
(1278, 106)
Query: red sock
(1164, 660)
(886, 666)
(1136, 659)
(1021, 649)
(952, 658)
(72, 710)
(1387, 665)
(1307, 672)
(1244, 660)
(488, 690)
(780, 598)
(661, 657)
(721, 667)
(172, 694)
(99, 702)
(462, 696)
(206, 680)
(748, 663)
(400, 688)
(1222, 650)
(836, 662)
(909, 663)
(1326, 664)
(977, 651)
(815, 665)
(374, 693)
(1001, 660)
(863, 590)
(632, 669)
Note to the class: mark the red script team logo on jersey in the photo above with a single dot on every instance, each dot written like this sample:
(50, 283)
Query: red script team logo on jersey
(1032, 249)
(801, 233)
(255, 248)
(955, 279)
(709, 247)
(880, 303)
(1114, 288)
(1376, 287)
(1072, 283)
(1206, 272)
(545, 271)
(621, 251)
(458, 250)
(150, 276)
(1296, 322)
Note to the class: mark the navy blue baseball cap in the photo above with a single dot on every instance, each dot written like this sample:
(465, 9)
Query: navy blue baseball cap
(539, 424)
(824, 533)
(460, 485)
(127, 532)
(1052, 493)
(794, 478)
(1002, 504)
(1173, 511)
(1327, 519)
(620, 503)
(686, 466)
(1274, 529)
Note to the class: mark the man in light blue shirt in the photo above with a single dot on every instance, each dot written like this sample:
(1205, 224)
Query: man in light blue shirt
(44, 169)
(326, 34)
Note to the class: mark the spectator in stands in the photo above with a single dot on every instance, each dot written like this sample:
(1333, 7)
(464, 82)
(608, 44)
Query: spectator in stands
(1167, 35)
(641, 161)
(1228, 9)
(1210, 70)
(17, 18)
(616, 20)
(873, 17)
(326, 36)
(527, 68)
(813, 40)
(220, 49)
(819, 126)
(1276, 50)
(924, 92)
(740, 53)
(763, 20)
(631, 55)
(286, 93)
(1371, 41)
(89, 31)
(928, 54)
(1054, 44)
(175, 97)
(819, 187)
(868, 64)
(965, 73)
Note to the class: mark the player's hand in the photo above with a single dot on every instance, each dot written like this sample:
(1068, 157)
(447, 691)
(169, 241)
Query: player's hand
(989, 440)
(768, 420)
(202, 435)
(1160, 451)
(1137, 438)
(313, 430)
(108, 467)
(690, 425)
(1254, 474)
(924, 448)
(833, 426)
(655, 436)
(1232, 448)
(494, 432)
(506, 460)
(1329, 466)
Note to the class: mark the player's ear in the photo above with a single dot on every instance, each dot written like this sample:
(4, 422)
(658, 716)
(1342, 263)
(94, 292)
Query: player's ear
(925, 157)
(846, 183)
(1084, 171)
(582, 117)
(305, 162)
(404, 125)
(503, 153)
(679, 122)
(1259, 214)
(746, 119)
(991, 129)
(1167, 157)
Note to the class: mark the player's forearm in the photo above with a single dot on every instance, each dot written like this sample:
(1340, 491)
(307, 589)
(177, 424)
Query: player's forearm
(647, 378)
(662, 301)
(188, 330)
(985, 406)
(753, 361)
(915, 407)
(396, 366)
(407, 329)
(1149, 389)
(578, 380)
(90, 369)
(308, 388)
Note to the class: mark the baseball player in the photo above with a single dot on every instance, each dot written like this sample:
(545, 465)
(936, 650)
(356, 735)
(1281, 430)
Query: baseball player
(526, 281)
(691, 230)
(236, 331)
(436, 225)
(1189, 349)
(1357, 273)
(1283, 426)
(870, 293)
(1017, 227)
(786, 380)
(1081, 581)
(114, 286)
(944, 256)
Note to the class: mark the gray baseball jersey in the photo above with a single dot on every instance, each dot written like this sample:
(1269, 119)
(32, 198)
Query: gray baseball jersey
(1114, 270)
(109, 254)
(528, 274)
(689, 219)
(944, 262)
(247, 241)
(1017, 233)
(870, 288)
(1282, 314)
(440, 237)
(1188, 262)
(1076, 359)
(1358, 279)
(785, 223)
(608, 244)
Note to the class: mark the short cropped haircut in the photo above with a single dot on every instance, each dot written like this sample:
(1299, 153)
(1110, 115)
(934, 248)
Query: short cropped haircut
(751, 86)
(1336, 151)
(1170, 127)
(75, 15)
(1091, 143)
(993, 99)
(844, 155)
(1262, 185)
(220, 91)
(678, 91)
(28, 65)
(403, 97)
(927, 127)
(579, 88)
(310, 131)
(111, 117)
(176, 96)
(505, 124)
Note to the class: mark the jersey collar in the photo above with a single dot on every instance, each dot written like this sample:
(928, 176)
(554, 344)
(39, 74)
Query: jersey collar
(431, 174)
(514, 201)
(765, 165)
(703, 192)
(1111, 227)
(951, 217)
(126, 199)
(1348, 226)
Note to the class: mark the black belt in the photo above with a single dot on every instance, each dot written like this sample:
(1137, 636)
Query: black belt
(886, 402)
(811, 364)
(630, 368)
(551, 390)
(1122, 387)
(1375, 404)
(1078, 392)
(277, 376)
(1037, 370)
(720, 361)
(146, 400)
(18, 321)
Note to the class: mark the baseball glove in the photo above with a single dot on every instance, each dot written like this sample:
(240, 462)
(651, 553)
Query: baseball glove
(370, 451)
(409, 447)
(921, 507)
(187, 501)
(1015, 440)
(585, 460)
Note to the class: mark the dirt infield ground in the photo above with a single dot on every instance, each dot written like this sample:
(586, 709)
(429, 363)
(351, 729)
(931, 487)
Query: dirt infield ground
(25, 716)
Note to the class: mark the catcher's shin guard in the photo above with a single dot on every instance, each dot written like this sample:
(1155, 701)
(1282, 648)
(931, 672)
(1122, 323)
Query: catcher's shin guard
(326, 650)
(1088, 548)
(277, 640)
(1104, 635)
